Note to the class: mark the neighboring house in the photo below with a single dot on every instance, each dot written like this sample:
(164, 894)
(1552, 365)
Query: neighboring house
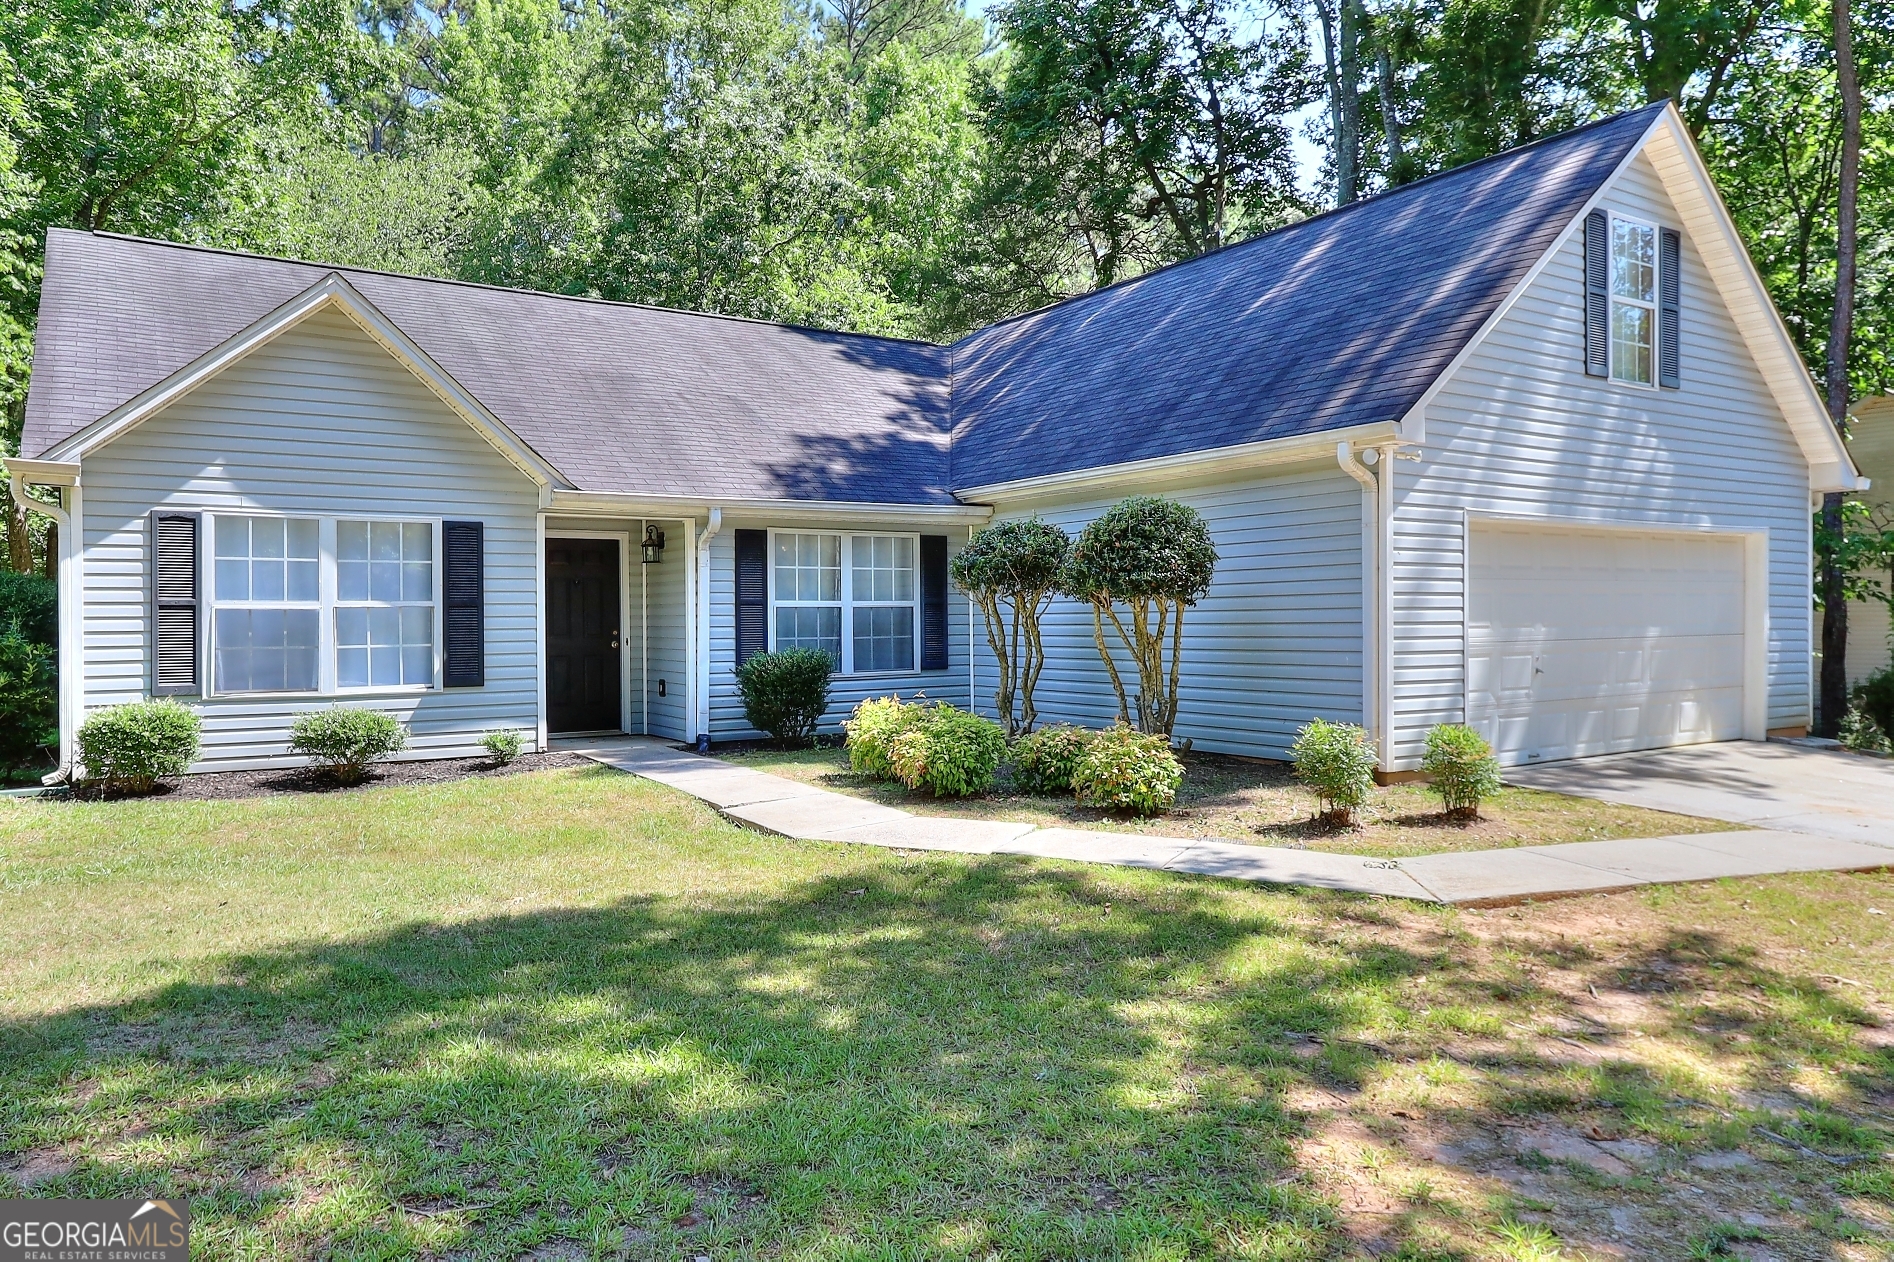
(1871, 443)
(1522, 444)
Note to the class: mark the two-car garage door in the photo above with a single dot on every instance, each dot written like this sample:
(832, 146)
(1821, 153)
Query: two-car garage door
(1590, 642)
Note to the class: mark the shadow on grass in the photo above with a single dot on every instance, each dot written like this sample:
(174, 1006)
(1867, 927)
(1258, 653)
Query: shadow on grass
(920, 1060)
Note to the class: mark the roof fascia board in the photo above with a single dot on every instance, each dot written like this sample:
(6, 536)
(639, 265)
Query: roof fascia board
(1713, 230)
(43, 472)
(577, 503)
(331, 291)
(1413, 423)
(1216, 462)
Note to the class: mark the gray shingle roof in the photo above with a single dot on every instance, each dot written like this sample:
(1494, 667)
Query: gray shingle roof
(1341, 320)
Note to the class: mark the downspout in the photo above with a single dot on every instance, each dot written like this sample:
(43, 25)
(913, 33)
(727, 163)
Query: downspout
(71, 663)
(702, 673)
(1375, 629)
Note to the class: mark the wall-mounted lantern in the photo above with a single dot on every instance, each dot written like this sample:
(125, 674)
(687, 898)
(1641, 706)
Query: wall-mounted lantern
(653, 545)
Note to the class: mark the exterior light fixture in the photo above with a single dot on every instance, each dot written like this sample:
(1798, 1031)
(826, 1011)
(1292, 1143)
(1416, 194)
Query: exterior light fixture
(653, 545)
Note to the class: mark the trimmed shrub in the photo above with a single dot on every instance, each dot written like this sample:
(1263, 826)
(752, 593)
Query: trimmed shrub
(1126, 770)
(1013, 565)
(32, 601)
(129, 748)
(1337, 763)
(1861, 733)
(29, 700)
(948, 752)
(786, 693)
(1462, 767)
(1875, 696)
(872, 730)
(1045, 761)
(343, 741)
(505, 745)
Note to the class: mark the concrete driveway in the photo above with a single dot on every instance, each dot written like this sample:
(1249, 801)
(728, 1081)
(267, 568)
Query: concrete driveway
(1786, 787)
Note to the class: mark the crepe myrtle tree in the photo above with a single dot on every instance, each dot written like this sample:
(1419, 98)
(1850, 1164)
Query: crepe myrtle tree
(1154, 557)
(1011, 571)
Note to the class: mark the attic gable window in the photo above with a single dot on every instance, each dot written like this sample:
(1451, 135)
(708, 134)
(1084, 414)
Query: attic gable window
(1633, 301)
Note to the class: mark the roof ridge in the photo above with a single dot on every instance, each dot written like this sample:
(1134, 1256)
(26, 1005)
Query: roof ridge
(1331, 213)
(200, 248)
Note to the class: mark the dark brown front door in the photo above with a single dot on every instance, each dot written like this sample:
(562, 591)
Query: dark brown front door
(582, 657)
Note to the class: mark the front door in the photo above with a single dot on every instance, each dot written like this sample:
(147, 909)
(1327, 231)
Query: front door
(583, 690)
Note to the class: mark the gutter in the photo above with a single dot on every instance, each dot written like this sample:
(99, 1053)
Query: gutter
(1374, 469)
(71, 585)
(701, 676)
(628, 503)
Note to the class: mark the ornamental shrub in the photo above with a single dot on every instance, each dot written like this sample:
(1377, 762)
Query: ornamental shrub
(1462, 768)
(1337, 763)
(948, 752)
(872, 730)
(1861, 733)
(505, 745)
(129, 748)
(1126, 770)
(32, 601)
(1045, 761)
(1875, 696)
(1013, 565)
(29, 700)
(786, 693)
(343, 741)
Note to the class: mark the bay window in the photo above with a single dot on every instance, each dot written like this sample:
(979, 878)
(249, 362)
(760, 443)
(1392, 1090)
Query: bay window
(322, 604)
(855, 597)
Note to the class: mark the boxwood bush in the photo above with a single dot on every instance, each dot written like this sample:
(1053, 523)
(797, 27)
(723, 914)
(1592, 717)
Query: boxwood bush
(504, 745)
(948, 752)
(872, 730)
(1125, 770)
(129, 748)
(1044, 761)
(1462, 769)
(1337, 763)
(786, 693)
(343, 741)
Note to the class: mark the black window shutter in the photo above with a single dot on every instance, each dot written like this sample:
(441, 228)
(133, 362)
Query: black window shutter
(1669, 307)
(464, 590)
(174, 655)
(1597, 294)
(752, 593)
(933, 602)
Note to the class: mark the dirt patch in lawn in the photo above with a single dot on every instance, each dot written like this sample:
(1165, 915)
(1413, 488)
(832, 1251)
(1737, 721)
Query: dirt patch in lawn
(211, 786)
(1242, 799)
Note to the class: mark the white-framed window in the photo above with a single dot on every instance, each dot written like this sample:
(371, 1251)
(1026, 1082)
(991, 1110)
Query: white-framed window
(854, 596)
(324, 605)
(1633, 318)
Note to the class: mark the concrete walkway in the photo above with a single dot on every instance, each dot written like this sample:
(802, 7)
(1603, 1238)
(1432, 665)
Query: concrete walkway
(1470, 878)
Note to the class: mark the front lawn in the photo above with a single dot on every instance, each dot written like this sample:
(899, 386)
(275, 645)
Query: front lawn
(570, 1014)
(1244, 800)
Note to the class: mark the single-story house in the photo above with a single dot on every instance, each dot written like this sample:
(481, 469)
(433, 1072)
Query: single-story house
(1523, 444)
(1871, 443)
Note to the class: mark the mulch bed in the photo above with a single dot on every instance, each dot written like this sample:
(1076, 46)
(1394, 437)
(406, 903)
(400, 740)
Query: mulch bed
(213, 786)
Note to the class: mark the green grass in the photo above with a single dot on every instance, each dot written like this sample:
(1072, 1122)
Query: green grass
(570, 1014)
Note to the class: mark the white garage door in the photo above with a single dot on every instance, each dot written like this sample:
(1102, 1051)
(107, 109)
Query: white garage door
(1594, 642)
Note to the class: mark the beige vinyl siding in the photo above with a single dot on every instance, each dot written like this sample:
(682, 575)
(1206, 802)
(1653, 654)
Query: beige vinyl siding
(321, 420)
(1520, 429)
(846, 691)
(1275, 643)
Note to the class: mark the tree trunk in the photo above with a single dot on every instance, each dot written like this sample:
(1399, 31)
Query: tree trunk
(1834, 683)
(49, 564)
(1390, 120)
(19, 542)
(1348, 139)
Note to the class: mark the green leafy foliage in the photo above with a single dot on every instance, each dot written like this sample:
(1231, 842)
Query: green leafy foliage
(1337, 764)
(344, 740)
(1461, 767)
(1861, 733)
(29, 700)
(1874, 697)
(786, 693)
(1126, 770)
(1010, 570)
(33, 603)
(947, 751)
(1045, 761)
(1154, 556)
(129, 748)
(504, 745)
(872, 730)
